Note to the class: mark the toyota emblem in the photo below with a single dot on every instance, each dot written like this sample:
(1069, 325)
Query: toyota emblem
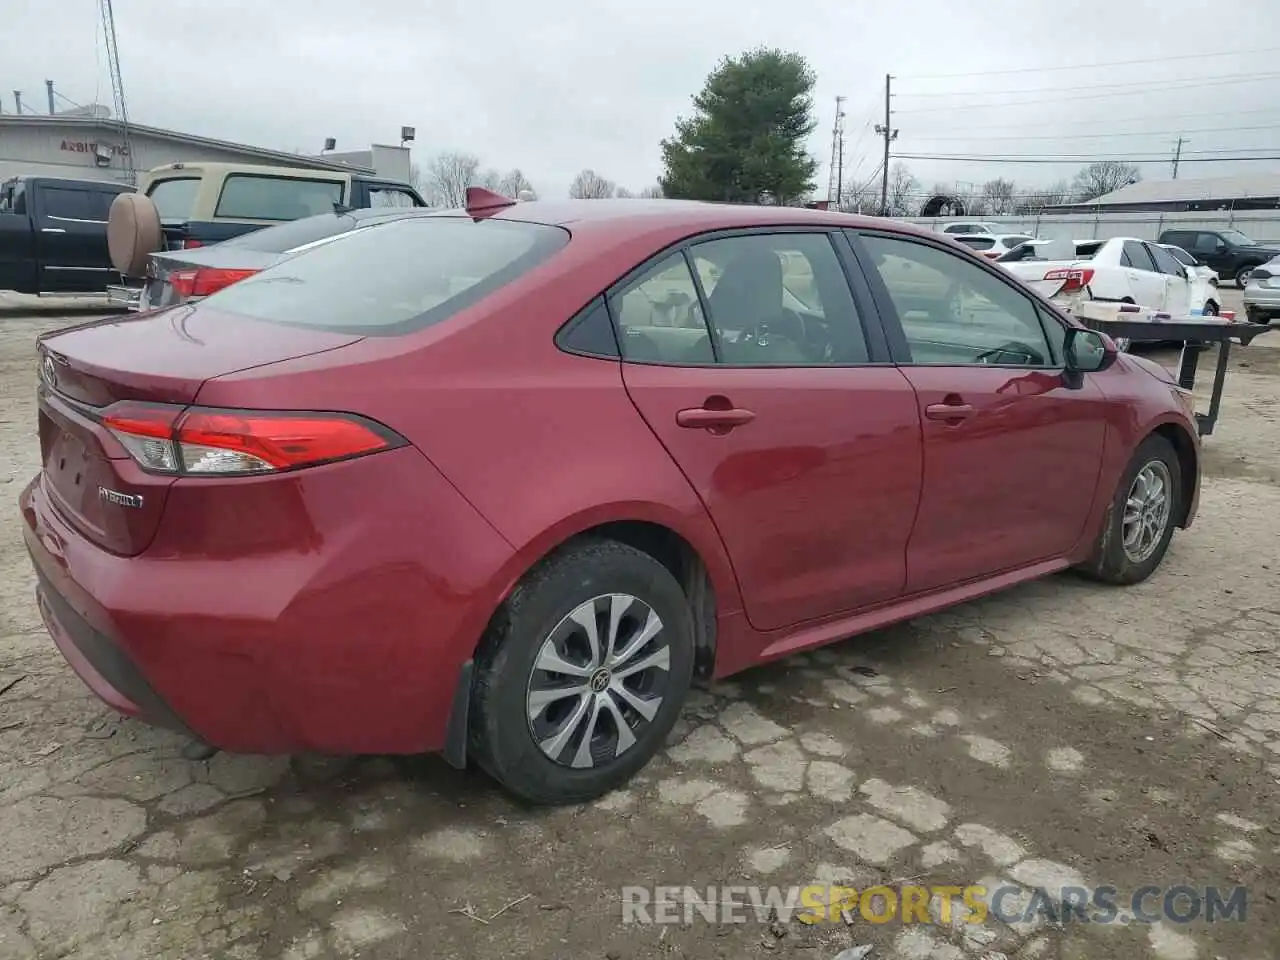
(49, 371)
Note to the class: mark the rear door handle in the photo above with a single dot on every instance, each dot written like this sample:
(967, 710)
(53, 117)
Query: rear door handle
(948, 411)
(52, 230)
(702, 418)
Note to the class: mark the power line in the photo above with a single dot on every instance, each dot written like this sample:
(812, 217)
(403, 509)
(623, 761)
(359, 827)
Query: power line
(1184, 85)
(1058, 124)
(1096, 96)
(1092, 66)
(1104, 136)
(1077, 158)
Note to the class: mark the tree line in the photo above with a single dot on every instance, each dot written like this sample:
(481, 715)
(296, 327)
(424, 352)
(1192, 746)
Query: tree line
(443, 182)
(745, 142)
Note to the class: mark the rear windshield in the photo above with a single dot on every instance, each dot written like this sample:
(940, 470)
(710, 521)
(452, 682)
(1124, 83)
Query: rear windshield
(977, 243)
(176, 198)
(394, 277)
(1087, 251)
(252, 197)
(286, 236)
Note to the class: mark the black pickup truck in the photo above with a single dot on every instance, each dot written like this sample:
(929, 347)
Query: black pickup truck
(1229, 252)
(53, 235)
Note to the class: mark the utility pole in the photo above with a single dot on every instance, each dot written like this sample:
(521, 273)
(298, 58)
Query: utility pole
(889, 136)
(17, 101)
(49, 87)
(1177, 155)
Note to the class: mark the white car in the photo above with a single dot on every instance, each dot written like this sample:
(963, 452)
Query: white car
(971, 226)
(1119, 270)
(993, 245)
(1208, 274)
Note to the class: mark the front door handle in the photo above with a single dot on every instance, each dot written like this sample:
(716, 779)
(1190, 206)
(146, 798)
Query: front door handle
(52, 230)
(948, 411)
(702, 418)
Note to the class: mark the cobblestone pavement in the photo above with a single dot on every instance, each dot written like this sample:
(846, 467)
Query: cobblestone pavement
(1058, 734)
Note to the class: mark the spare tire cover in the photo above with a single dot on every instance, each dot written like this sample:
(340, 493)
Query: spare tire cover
(133, 233)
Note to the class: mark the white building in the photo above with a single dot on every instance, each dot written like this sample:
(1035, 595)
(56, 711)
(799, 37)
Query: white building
(92, 147)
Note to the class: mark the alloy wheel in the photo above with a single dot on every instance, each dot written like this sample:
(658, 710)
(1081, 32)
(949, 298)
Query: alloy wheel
(598, 680)
(1147, 509)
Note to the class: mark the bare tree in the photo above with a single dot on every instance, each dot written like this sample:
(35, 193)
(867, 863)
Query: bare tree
(515, 183)
(860, 198)
(589, 185)
(622, 193)
(448, 176)
(1104, 177)
(1049, 196)
(999, 195)
(903, 186)
(651, 193)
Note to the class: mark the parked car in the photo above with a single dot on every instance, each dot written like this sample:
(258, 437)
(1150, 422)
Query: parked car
(972, 226)
(53, 235)
(1229, 252)
(1122, 269)
(1262, 295)
(183, 206)
(502, 482)
(184, 276)
(1207, 274)
(996, 245)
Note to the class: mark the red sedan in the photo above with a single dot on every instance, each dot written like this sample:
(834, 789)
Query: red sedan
(503, 482)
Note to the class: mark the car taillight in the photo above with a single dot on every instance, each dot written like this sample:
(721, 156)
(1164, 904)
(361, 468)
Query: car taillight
(1073, 278)
(204, 281)
(192, 244)
(165, 438)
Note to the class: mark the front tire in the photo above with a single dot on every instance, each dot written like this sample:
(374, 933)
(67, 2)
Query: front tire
(1242, 277)
(1140, 522)
(582, 675)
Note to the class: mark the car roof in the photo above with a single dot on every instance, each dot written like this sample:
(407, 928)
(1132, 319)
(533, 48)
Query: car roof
(687, 216)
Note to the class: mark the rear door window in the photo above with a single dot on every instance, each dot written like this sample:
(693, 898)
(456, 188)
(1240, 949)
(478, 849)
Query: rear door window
(66, 203)
(1165, 261)
(252, 197)
(174, 198)
(1136, 255)
(395, 277)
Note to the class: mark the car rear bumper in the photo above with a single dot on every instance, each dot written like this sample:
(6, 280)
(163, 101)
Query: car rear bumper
(352, 643)
(1262, 298)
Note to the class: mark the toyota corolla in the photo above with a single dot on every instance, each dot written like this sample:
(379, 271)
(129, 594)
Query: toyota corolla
(503, 482)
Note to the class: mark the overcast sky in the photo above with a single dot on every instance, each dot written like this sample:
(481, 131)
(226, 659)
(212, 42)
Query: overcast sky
(558, 86)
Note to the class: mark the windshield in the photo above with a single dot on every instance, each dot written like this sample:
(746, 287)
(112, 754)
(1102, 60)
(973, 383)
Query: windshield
(1182, 256)
(1236, 237)
(395, 277)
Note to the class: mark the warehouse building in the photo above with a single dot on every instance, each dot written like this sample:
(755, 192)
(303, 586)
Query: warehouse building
(92, 147)
(1246, 191)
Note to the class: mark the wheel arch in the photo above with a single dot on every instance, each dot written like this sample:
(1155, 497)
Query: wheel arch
(689, 548)
(1185, 446)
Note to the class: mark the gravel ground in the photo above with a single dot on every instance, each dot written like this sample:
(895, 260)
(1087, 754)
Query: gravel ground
(1058, 734)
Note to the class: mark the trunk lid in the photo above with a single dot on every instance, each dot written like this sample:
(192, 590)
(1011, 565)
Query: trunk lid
(1034, 272)
(162, 357)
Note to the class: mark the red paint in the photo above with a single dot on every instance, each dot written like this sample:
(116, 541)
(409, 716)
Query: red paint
(332, 607)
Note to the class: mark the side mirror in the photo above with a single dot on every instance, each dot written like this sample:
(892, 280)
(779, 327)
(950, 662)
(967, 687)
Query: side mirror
(1087, 351)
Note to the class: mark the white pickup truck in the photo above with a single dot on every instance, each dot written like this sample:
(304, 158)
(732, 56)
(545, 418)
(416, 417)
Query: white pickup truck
(1119, 270)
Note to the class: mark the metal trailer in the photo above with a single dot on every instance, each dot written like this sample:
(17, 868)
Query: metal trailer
(1126, 323)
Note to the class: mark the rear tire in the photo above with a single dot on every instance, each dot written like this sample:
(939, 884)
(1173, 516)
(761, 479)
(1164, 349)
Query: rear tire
(1140, 521)
(1242, 276)
(1254, 315)
(569, 735)
(1210, 309)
